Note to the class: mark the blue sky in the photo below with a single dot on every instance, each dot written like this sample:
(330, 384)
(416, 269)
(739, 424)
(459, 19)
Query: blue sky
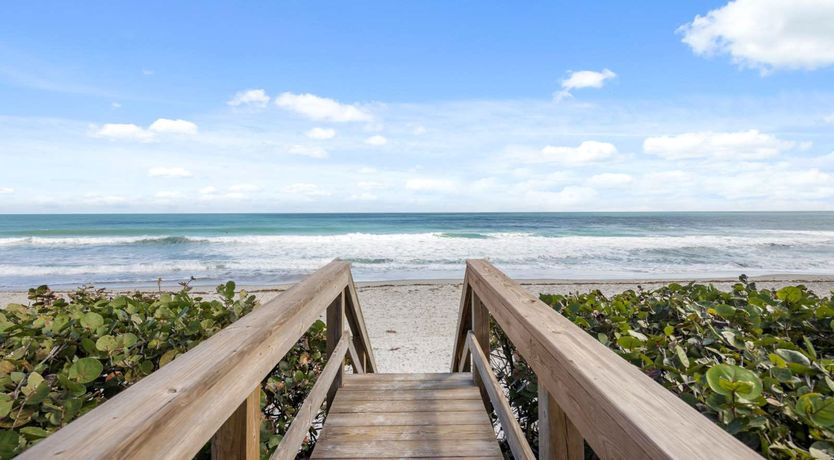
(416, 106)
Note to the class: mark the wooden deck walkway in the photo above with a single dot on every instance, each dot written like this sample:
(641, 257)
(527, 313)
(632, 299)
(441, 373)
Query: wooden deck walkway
(407, 416)
(586, 393)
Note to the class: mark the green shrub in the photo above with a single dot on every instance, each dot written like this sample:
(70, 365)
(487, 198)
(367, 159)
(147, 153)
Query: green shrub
(757, 362)
(61, 357)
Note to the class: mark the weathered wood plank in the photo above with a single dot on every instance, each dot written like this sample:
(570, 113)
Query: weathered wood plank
(334, 332)
(300, 426)
(407, 385)
(173, 412)
(355, 360)
(239, 437)
(460, 362)
(426, 405)
(480, 330)
(357, 393)
(398, 377)
(356, 321)
(558, 437)
(620, 411)
(407, 449)
(406, 418)
(515, 436)
(405, 433)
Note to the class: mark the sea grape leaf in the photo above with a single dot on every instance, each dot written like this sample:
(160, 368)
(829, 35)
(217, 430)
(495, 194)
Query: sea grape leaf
(85, 370)
(106, 343)
(6, 402)
(9, 441)
(682, 356)
(793, 356)
(817, 408)
(92, 320)
(726, 379)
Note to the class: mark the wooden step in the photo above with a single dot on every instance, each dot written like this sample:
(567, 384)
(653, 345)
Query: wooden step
(407, 416)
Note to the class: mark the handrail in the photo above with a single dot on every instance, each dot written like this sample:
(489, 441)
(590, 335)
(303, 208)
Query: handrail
(294, 437)
(621, 412)
(515, 436)
(174, 411)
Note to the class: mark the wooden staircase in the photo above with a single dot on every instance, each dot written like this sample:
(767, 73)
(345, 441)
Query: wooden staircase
(407, 416)
(586, 393)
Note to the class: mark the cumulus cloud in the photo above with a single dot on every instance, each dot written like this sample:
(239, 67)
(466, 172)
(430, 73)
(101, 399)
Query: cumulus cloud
(429, 184)
(741, 145)
(321, 108)
(586, 152)
(610, 180)
(208, 190)
(168, 126)
(241, 188)
(321, 133)
(122, 131)
(311, 151)
(6, 190)
(167, 195)
(250, 97)
(161, 171)
(829, 118)
(767, 34)
(132, 132)
(584, 79)
(780, 182)
(376, 140)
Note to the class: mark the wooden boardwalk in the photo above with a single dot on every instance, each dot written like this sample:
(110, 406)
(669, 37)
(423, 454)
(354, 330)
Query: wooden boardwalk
(407, 416)
(586, 393)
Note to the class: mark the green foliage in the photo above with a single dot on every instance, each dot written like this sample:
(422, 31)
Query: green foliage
(758, 362)
(61, 357)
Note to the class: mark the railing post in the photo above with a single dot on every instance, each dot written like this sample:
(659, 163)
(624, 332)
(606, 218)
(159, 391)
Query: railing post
(558, 437)
(480, 328)
(335, 328)
(239, 436)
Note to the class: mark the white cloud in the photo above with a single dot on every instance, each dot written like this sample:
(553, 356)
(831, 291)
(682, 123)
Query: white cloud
(321, 108)
(122, 131)
(132, 132)
(610, 180)
(116, 105)
(209, 190)
(312, 151)
(147, 72)
(6, 190)
(773, 183)
(829, 118)
(376, 140)
(253, 97)
(584, 79)
(741, 145)
(305, 190)
(161, 171)
(428, 184)
(767, 34)
(370, 185)
(586, 152)
(321, 133)
(168, 126)
(109, 200)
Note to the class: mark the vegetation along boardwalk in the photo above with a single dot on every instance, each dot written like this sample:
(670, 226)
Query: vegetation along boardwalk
(211, 393)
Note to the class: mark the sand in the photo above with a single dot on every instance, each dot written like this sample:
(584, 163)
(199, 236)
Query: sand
(411, 324)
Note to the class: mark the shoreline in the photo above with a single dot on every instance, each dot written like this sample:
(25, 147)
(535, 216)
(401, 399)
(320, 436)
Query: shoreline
(411, 323)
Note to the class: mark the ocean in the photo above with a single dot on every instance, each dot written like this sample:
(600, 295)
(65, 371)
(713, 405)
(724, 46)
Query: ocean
(125, 250)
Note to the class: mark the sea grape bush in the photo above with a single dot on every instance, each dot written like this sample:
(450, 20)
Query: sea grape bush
(757, 362)
(61, 357)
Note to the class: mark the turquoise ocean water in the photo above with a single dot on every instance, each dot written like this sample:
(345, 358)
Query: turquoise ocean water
(136, 250)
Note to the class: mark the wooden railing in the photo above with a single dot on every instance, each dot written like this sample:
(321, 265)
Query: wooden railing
(212, 391)
(586, 392)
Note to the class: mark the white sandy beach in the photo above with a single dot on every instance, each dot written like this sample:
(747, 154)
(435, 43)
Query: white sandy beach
(411, 324)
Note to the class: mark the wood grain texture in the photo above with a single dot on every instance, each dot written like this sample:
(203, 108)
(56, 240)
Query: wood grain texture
(371, 418)
(173, 412)
(355, 360)
(239, 438)
(515, 435)
(460, 360)
(558, 437)
(300, 426)
(356, 321)
(620, 411)
(334, 332)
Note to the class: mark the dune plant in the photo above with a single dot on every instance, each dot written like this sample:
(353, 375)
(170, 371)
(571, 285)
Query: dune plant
(758, 362)
(62, 356)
